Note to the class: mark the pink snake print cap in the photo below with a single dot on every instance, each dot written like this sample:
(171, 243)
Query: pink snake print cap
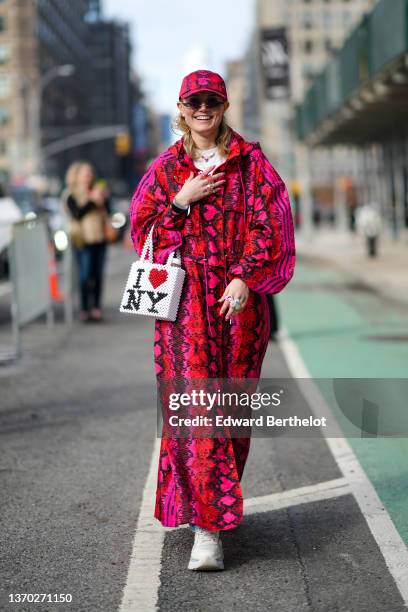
(203, 80)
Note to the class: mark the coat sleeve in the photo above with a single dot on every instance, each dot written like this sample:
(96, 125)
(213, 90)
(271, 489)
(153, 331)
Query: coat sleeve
(268, 259)
(150, 204)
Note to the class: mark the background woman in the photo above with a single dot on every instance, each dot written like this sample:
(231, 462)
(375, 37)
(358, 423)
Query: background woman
(87, 206)
(217, 197)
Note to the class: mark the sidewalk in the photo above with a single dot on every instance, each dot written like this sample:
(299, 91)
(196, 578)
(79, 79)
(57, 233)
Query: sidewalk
(386, 274)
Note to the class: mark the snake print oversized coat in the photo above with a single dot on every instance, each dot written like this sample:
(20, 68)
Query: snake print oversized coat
(245, 230)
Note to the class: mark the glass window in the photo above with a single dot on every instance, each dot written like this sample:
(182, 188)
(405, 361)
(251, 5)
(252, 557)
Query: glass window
(2, 23)
(4, 53)
(347, 19)
(308, 46)
(4, 115)
(3, 147)
(327, 19)
(308, 71)
(328, 45)
(5, 85)
(307, 19)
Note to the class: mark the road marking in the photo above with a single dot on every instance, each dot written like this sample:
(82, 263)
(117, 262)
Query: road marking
(143, 578)
(293, 497)
(389, 541)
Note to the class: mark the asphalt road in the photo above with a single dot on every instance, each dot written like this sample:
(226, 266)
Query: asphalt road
(77, 427)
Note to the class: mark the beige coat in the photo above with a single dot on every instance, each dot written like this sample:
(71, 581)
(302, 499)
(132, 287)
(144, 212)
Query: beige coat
(89, 229)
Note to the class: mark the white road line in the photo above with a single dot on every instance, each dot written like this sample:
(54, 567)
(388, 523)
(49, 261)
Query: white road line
(389, 541)
(143, 579)
(303, 495)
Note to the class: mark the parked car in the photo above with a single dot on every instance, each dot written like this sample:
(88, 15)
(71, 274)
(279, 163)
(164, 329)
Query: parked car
(31, 204)
(9, 214)
(28, 200)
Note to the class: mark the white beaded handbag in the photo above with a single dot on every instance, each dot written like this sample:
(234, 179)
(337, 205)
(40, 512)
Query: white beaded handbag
(153, 289)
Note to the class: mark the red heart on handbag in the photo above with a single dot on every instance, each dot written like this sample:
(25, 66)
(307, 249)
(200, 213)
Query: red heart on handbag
(157, 277)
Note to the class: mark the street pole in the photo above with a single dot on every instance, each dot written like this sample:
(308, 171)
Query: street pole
(65, 70)
(303, 154)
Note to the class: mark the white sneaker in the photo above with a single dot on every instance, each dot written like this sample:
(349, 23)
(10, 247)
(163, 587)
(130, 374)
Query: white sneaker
(207, 551)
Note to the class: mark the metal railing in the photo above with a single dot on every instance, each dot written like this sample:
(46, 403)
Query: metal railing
(29, 285)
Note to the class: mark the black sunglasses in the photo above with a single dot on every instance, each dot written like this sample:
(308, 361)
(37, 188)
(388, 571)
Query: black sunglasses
(196, 102)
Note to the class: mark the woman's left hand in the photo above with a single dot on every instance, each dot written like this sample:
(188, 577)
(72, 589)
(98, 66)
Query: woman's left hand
(236, 289)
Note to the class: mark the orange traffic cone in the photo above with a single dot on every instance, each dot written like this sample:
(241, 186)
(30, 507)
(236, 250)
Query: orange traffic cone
(56, 295)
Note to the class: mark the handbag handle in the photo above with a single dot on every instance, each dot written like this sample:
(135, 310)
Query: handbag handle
(148, 249)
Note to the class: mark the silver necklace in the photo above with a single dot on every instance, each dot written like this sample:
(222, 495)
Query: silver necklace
(206, 158)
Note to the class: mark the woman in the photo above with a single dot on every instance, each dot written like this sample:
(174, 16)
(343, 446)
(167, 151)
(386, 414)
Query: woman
(217, 198)
(87, 207)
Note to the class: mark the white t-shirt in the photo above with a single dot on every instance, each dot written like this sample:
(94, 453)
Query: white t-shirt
(216, 159)
(202, 164)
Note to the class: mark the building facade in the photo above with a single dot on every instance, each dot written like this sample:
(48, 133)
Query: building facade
(62, 34)
(110, 97)
(63, 71)
(235, 82)
(19, 70)
(312, 30)
(359, 101)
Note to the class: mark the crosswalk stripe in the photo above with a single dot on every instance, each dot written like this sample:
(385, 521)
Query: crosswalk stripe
(302, 495)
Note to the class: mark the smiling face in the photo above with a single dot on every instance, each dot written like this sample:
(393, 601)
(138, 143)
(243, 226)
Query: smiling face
(203, 119)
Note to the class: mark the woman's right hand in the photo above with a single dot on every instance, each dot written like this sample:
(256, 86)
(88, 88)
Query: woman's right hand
(195, 186)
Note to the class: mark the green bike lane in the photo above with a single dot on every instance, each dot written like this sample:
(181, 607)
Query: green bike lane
(345, 330)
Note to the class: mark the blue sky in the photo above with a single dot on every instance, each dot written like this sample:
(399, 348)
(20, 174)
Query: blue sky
(173, 37)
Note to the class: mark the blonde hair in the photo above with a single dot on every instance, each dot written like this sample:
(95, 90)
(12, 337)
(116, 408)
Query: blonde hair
(71, 180)
(71, 174)
(222, 140)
